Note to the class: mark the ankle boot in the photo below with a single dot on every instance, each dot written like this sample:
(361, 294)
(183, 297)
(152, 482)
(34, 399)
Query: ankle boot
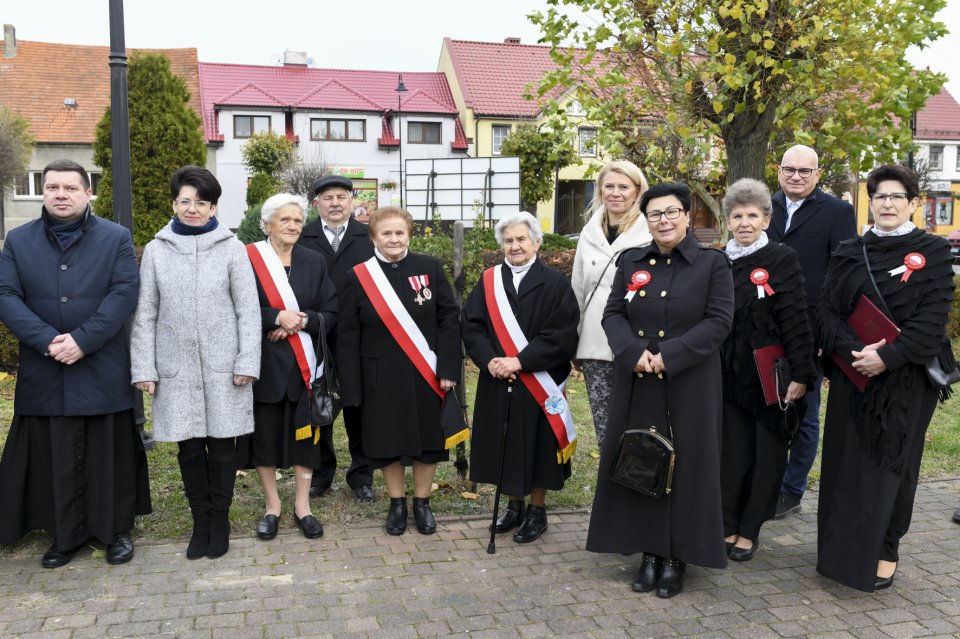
(397, 516)
(650, 567)
(534, 525)
(222, 477)
(511, 517)
(196, 489)
(671, 579)
(426, 524)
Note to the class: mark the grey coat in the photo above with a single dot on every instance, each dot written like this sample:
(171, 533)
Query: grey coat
(197, 325)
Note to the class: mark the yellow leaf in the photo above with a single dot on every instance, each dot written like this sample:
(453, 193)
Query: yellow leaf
(434, 486)
(736, 13)
(768, 44)
(595, 455)
(717, 106)
(468, 495)
(5, 376)
(729, 58)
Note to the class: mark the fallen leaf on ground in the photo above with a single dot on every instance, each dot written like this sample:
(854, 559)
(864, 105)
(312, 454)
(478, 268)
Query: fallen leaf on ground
(468, 495)
(595, 455)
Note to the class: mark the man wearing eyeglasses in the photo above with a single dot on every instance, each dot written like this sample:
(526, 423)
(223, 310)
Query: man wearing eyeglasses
(344, 242)
(812, 223)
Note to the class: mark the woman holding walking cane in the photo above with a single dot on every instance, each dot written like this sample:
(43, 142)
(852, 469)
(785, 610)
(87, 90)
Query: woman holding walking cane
(520, 326)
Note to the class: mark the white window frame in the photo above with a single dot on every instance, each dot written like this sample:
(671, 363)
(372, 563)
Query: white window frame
(574, 107)
(34, 187)
(347, 125)
(588, 135)
(495, 143)
(935, 152)
(253, 126)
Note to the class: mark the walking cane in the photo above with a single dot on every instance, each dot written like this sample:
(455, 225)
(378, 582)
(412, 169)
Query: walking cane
(492, 546)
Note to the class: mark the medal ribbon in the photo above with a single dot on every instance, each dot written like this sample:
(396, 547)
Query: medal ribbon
(912, 262)
(637, 281)
(761, 278)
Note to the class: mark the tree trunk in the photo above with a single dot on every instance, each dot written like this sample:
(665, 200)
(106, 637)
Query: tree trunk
(747, 143)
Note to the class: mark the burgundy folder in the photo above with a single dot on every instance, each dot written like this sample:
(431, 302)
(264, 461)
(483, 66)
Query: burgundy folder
(870, 325)
(766, 358)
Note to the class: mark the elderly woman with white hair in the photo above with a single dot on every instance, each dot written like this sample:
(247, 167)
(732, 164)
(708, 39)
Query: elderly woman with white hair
(295, 293)
(520, 328)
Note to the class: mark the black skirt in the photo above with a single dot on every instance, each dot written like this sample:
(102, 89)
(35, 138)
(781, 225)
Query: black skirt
(78, 478)
(425, 457)
(273, 441)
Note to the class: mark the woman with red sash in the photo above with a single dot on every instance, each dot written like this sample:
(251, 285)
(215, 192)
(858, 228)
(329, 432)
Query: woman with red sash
(399, 352)
(295, 292)
(520, 327)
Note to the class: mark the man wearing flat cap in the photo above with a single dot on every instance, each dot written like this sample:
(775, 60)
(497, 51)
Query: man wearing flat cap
(344, 242)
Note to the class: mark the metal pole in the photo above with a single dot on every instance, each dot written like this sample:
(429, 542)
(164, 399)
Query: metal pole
(459, 281)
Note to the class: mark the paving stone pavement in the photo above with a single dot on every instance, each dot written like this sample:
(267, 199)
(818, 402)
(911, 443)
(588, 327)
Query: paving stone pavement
(360, 582)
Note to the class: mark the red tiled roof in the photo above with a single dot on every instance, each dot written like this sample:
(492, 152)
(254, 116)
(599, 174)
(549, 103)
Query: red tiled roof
(493, 76)
(459, 138)
(297, 87)
(42, 75)
(940, 118)
(387, 138)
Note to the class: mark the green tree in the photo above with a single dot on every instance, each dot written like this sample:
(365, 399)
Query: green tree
(542, 154)
(165, 134)
(267, 152)
(715, 90)
(16, 144)
(260, 187)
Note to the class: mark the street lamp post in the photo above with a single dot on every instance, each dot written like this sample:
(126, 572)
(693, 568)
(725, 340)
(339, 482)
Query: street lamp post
(401, 89)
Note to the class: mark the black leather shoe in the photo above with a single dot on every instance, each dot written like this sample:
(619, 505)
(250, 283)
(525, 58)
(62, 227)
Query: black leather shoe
(884, 582)
(786, 504)
(268, 527)
(956, 516)
(121, 550)
(729, 546)
(511, 517)
(650, 568)
(397, 516)
(310, 526)
(317, 491)
(54, 558)
(744, 554)
(671, 579)
(363, 493)
(534, 525)
(426, 524)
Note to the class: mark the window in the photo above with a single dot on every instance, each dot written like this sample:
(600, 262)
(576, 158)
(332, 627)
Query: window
(246, 125)
(28, 185)
(338, 130)
(958, 157)
(936, 157)
(423, 132)
(575, 108)
(588, 143)
(500, 132)
(94, 182)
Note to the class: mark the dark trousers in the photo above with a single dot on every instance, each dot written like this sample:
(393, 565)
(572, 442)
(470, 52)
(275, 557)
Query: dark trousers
(752, 460)
(803, 449)
(359, 473)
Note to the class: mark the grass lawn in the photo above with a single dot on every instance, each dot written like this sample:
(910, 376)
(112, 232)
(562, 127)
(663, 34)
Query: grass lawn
(453, 496)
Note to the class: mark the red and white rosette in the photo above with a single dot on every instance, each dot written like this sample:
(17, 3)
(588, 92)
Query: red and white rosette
(912, 262)
(637, 281)
(761, 278)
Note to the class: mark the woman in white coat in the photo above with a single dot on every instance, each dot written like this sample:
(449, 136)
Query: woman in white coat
(612, 228)
(195, 346)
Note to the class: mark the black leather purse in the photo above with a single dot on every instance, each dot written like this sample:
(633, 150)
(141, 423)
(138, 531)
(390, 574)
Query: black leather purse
(645, 460)
(325, 400)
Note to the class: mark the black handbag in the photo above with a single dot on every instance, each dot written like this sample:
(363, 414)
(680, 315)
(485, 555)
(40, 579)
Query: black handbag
(325, 400)
(938, 375)
(645, 460)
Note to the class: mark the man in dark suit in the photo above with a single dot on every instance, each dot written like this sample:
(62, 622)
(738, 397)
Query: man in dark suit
(812, 223)
(344, 243)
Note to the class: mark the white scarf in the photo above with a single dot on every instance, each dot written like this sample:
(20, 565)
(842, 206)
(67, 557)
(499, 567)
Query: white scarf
(903, 229)
(735, 251)
(381, 257)
(519, 271)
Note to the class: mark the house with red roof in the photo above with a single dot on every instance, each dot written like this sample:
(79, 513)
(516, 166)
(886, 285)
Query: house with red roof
(352, 122)
(938, 139)
(488, 81)
(63, 91)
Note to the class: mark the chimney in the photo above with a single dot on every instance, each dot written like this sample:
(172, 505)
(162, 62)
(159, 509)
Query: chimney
(511, 40)
(295, 58)
(9, 41)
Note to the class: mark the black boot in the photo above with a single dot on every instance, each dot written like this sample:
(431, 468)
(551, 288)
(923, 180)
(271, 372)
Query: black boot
(426, 524)
(222, 477)
(671, 579)
(196, 488)
(650, 568)
(511, 517)
(534, 525)
(397, 516)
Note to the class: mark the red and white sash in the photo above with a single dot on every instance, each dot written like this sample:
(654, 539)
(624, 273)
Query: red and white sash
(397, 319)
(273, 279)
(548, 393)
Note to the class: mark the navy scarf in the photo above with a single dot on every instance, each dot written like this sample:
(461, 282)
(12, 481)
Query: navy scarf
(180, 228)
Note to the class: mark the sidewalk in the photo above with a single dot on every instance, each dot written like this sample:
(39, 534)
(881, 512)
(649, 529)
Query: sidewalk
(359, 582)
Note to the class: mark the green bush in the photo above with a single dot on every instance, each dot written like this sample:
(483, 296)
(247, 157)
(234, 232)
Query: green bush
(261, 187)
(9, 349)
(554, 242)
(249, 230)
(953, 319)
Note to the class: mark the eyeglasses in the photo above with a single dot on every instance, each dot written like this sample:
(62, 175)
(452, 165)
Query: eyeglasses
(804, 173)
(187, 203)
(895, 198)
(671, 213)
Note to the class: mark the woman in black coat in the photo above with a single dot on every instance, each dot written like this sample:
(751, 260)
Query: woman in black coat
(295, 293)
(770, 308)
(545, 310)
(398, 295)
(873, 439)
(669, 310)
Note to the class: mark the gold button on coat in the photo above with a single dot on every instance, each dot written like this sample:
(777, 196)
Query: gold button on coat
(643, 293)
(640, 333)
(663, 293)
(661, 333)
(652, 261)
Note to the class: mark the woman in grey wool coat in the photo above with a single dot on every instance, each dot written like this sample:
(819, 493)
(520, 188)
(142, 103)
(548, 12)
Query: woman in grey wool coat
(195, 346)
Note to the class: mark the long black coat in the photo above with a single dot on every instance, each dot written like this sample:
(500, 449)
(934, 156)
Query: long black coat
(355, 247)
(400, 413)
(684, 313)
(89, 291)
(546, 309)
(279, 372)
